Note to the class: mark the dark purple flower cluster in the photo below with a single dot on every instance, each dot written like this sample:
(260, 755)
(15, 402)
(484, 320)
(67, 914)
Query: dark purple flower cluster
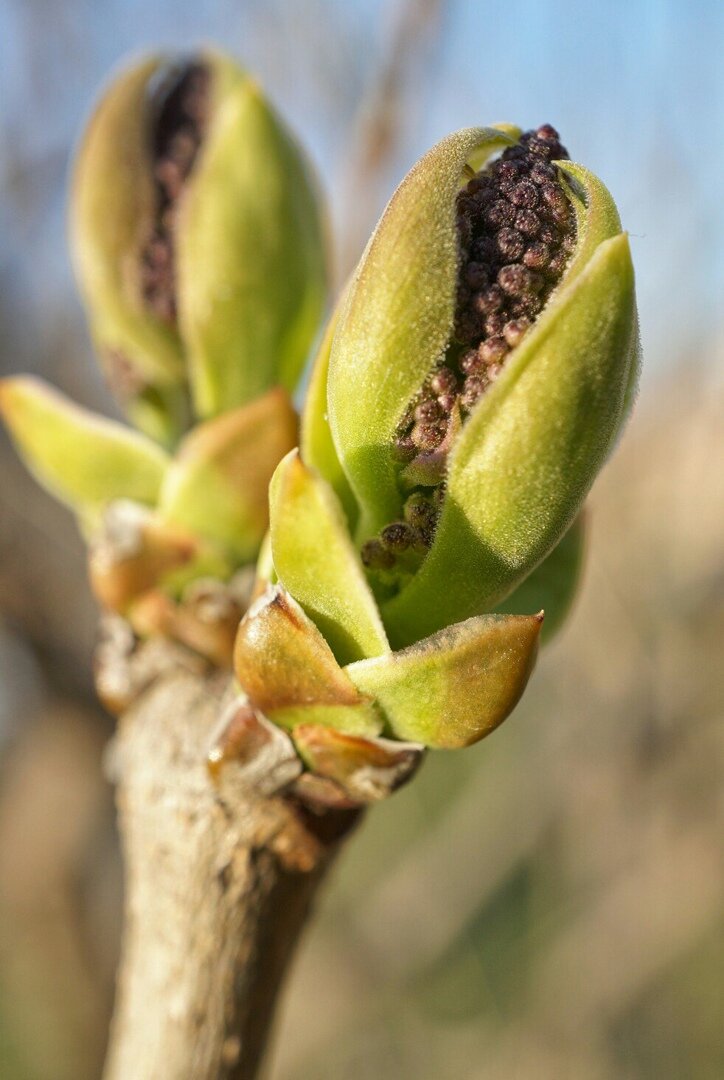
(179, 118)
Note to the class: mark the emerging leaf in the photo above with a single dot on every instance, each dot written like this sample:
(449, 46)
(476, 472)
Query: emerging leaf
(553, 585)
(217, 484)
(316, 443)
(318, 564)
(198, 241)
(85, 460)
(455, 687)
(251, 250)
(112, 210)
(289, 672)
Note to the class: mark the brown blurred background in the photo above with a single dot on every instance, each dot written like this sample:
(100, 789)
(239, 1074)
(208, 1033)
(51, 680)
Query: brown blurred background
(550, 903)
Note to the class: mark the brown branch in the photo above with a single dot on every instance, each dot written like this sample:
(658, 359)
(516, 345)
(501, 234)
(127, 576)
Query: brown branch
(220, 879)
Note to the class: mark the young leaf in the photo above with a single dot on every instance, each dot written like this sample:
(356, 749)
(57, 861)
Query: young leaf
(111, 210)
(318, 564)
(84, 460)
(217, 484)
(316, 443)
(455, 687)
(251, 259)
(552, 585)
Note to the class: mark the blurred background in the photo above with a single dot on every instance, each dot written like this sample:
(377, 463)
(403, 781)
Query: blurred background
(549, 904)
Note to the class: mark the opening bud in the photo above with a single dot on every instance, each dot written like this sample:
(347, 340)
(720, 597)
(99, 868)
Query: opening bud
(484, 360)
(197, 241)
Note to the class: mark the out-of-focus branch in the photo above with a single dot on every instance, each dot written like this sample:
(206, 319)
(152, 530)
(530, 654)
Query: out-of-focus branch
(384, 112)
(58, 931)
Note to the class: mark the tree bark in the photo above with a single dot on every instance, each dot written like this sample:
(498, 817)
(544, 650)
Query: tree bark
(220, 877)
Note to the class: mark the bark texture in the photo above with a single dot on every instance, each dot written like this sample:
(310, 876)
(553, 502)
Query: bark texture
(220, 876)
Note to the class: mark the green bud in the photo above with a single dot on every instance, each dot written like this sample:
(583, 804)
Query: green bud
(543, 401)
(197, 239)
(474, 378)
(396, 319)
(366, 769)
(112, 215)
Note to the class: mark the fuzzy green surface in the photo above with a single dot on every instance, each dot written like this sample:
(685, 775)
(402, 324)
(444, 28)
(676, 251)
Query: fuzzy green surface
(396, 319)
(552, 586)
(317, 562)
(111, 206)
(530, 451)
(316, 443)
(82, 459)
(250, 251)
(455, 687)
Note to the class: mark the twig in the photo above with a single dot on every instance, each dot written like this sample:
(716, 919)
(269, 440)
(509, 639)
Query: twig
(220, 879)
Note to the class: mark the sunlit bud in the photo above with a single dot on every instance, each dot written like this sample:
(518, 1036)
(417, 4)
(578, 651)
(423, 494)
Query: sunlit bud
(498, 291)
(197, 241)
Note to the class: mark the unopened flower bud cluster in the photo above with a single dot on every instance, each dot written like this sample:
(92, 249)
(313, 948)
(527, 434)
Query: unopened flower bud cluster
(181, 103)
(516, 232)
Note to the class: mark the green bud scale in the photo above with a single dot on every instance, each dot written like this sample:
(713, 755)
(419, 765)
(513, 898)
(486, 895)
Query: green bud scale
(198, 242)
(516, 231)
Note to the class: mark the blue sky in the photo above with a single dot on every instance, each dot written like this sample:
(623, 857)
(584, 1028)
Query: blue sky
(635, 88)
